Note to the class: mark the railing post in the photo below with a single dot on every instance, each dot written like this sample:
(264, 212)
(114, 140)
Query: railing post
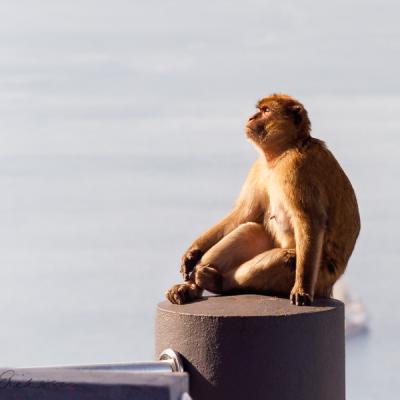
(257, 347)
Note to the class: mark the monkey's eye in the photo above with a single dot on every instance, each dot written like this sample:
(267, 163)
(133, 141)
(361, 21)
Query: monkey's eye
(266, 110)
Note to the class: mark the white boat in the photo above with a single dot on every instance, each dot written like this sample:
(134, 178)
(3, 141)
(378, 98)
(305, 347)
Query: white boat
(356, 316)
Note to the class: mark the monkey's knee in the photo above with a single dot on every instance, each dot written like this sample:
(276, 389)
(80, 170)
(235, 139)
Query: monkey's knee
(208, 278)
(255, 236)
(240, 245)
(250, 228)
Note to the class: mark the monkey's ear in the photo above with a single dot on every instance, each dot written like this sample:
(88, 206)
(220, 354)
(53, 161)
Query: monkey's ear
(297, 112)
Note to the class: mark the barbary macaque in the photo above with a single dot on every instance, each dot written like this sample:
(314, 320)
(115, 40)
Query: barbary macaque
(294, 224)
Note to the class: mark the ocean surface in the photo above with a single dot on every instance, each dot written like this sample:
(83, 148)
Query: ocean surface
(121, 139)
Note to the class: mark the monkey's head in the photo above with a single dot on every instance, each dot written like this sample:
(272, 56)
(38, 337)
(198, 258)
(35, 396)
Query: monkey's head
(279, 123)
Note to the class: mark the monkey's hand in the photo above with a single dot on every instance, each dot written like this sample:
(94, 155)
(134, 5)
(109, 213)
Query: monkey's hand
(189, 261)
(300, 297)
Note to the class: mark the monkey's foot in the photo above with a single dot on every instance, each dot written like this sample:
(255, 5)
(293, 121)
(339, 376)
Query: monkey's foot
(183, 293)
(207, 277)
(299, 297)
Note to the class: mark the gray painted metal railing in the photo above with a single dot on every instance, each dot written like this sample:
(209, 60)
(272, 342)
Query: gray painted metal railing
(157, 380)
(169, 361)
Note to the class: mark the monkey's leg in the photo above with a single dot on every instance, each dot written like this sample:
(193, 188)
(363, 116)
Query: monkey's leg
(207, 240)
(274, 272)
(239, 246)
(270, 272)
(242, 244)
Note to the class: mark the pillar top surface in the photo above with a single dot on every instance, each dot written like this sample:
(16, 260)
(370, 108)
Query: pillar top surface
(247, 305)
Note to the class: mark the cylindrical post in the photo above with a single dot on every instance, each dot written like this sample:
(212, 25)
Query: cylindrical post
(257, 347)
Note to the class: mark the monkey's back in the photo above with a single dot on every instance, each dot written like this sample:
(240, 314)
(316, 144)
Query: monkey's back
(339, 201)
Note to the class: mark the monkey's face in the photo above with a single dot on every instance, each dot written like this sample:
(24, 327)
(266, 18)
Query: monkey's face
(279, 122)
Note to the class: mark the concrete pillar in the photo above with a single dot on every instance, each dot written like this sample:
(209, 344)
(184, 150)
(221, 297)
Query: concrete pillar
(257, 347)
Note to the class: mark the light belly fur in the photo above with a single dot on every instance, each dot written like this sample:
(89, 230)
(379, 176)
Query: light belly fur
(280, 226)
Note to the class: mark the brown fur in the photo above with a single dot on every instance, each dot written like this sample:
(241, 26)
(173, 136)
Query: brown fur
(294, 225)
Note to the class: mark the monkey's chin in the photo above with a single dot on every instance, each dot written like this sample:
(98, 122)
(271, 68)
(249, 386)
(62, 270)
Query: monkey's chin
(251, 134)
(254, 137)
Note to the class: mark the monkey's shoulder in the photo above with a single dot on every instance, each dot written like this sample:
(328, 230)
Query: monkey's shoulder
(311, 171)
(313, 157)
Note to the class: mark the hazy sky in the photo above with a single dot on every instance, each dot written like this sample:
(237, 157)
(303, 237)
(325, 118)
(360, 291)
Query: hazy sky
(102, 76)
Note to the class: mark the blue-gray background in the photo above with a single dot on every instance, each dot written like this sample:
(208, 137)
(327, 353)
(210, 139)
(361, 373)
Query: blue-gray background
(121, 139)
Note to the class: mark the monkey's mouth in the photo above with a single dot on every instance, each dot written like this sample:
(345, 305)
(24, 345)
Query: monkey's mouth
(250, 130)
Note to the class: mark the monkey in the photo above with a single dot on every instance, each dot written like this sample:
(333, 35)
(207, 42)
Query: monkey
(294, 225)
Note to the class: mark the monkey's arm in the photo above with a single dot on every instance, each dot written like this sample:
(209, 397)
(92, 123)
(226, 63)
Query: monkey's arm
(309, 235)
(307, 203)
(247, 209)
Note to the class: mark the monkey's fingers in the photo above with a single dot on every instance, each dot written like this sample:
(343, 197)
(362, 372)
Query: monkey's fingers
(186, 270)
(189, 261)
(301, 299)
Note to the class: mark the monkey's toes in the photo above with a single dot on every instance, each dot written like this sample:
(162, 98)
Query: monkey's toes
(181, 293)
(300, 298)
(207, 277)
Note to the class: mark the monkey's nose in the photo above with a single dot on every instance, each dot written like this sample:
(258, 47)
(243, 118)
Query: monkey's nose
(254, 116)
